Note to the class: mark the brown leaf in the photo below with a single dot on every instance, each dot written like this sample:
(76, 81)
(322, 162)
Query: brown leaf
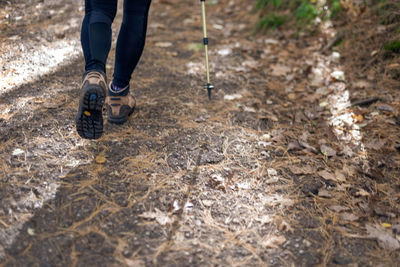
(280, 70)
(346, 216)
(252, 64)
(299, 117)
(273, 241)
(340, 176)
(362, 84)
(384, 237)
(302, 170)
(134, 262)
(294, 145)
(324, 193)
(159, 216)
(338, 208)
(292, 96)
(349, 170)
(308, 147)
(375, 145)
(311, 98)
(362, 193)
(327, 151)
(283, 225)
(347, 151)
(163, 44)
(100, 159)
(327, 175)
(386, 108)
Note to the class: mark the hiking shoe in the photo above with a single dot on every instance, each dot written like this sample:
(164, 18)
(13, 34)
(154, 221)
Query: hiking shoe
(120, 105)
(89, 120)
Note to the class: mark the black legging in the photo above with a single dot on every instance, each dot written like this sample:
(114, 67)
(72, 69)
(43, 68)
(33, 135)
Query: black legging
(96, 36)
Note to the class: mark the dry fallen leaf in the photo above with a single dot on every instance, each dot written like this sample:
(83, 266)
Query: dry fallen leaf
(292, 96)
(273, 241)
(349, 170)
(280, 70)
(283, 225)
(327, 175)
(294, 145)
(347, 151)
(375, 145)
(100, 159)
(384, 237)
(308, 147)
(338, 208)
(163, 44)
(134, 262)
(358, 118)
(160, 217)
(347, 216)
(301, 170)
(324, 193)
(327, 150)
(340, 176)
(362, 193)
(252, 64)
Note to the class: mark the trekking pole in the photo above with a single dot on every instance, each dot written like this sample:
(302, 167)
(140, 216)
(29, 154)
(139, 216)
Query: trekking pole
(209, 86)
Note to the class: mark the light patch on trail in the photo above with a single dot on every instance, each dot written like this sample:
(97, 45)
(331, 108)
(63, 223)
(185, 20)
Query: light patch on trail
(342, 119)
(31, 64)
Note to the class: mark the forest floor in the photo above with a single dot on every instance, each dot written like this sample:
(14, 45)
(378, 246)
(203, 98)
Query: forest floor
(280, 168)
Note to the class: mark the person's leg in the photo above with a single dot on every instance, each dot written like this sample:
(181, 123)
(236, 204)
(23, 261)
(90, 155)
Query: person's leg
(96, 43)
(96, 32)
(130, 44)
(131, 40)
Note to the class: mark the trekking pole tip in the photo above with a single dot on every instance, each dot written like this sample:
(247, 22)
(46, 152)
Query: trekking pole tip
(209, 87)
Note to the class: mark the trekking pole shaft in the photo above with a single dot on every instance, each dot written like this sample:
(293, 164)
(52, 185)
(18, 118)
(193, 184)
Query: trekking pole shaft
(205, 40)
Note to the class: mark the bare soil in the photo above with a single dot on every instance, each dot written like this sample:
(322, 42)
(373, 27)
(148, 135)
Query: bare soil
(278, 169)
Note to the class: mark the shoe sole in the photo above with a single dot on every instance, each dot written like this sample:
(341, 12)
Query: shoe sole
(89, 120)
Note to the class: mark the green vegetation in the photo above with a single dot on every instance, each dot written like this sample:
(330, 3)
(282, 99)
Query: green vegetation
(271, 20)
(335, 8)
(275, 13)
(306, 12)
(392, 46)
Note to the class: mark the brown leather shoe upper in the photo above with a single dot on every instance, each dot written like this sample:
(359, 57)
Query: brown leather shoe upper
(95, 77)
(117, 104)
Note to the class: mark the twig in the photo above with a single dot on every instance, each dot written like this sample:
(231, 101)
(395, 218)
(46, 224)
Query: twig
(365, 102)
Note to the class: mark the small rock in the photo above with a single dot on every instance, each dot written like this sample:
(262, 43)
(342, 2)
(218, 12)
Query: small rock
(232, 97)
(224, 52)
(18, 152)
(335, 56)
(31, 231)
(317, 78)
(341, 259)
(338, 75)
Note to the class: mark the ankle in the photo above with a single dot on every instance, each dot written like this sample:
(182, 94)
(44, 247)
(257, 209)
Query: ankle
(114, 90)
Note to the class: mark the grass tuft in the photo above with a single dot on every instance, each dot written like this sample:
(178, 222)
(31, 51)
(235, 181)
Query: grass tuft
(392, 46)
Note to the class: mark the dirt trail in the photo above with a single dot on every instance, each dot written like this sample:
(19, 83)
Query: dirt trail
(249, 178)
